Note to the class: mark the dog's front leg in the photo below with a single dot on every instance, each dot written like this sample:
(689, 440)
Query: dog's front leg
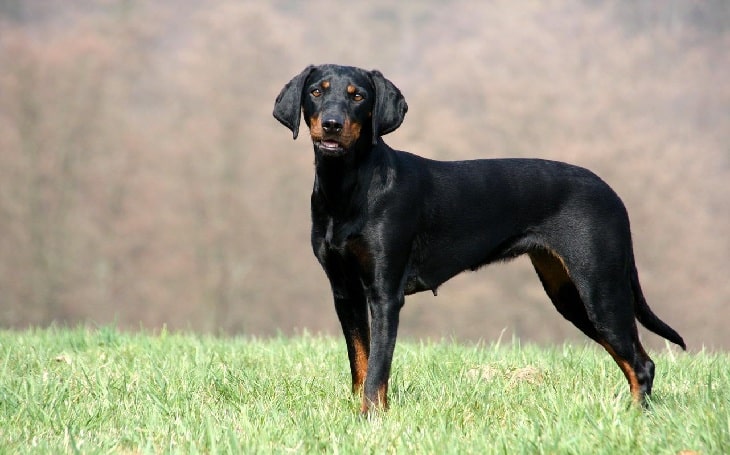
(384, 312)
(352, 312)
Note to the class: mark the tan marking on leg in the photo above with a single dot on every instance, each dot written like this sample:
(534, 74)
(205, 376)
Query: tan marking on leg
(383, 396)
(551, 268)
(361, 364)
(358, 247)
(628, 371)
(381, 400)
(364, 407)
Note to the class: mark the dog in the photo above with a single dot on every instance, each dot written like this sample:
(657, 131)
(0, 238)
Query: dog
(388, 223)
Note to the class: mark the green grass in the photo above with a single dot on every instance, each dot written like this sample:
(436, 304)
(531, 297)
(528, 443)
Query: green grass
(104, 391)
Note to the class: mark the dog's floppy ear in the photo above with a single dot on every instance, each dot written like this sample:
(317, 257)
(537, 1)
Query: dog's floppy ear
(390, 106)
(288, 105)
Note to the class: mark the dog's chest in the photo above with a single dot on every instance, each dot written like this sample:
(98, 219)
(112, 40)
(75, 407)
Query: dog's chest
(329, 232)
(343, 239)
(335, 235)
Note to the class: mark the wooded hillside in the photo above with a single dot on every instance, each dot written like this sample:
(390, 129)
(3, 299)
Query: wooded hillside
(143, 180)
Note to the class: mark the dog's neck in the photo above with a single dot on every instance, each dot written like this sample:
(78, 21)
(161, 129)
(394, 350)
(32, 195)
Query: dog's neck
(341, 183)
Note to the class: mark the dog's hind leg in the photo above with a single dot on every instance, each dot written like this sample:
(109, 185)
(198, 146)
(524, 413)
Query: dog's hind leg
(554, 276)
(636, 365)
(611, 309)
(610, 323)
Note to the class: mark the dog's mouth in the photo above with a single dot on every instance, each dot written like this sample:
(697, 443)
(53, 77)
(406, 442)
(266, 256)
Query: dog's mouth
(330, 147)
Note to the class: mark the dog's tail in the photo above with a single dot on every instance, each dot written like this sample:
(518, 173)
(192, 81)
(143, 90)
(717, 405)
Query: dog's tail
(647, 317)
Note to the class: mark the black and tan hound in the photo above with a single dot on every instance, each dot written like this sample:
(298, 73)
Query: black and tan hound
(387, 223)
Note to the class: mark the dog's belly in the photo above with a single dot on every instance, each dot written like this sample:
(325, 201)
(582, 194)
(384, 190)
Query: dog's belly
(451, 255)
(428, 277)
(415, 283)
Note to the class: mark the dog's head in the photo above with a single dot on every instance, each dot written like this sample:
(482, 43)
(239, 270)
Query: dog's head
(340, 104)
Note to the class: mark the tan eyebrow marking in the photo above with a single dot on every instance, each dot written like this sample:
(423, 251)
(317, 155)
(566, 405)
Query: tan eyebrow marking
(325, 84)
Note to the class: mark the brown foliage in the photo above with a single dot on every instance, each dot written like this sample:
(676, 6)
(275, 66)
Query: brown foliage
(143, 180)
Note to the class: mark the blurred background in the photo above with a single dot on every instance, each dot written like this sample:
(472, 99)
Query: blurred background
(144, 182)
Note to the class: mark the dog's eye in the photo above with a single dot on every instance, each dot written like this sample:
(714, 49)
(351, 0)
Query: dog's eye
(316, 92)
(358, 97)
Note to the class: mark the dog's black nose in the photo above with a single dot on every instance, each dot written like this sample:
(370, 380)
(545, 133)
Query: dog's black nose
(331, 126)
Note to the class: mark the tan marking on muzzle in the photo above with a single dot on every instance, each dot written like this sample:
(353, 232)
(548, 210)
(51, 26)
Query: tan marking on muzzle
(346, 138)
(350, 133)
(315, 128)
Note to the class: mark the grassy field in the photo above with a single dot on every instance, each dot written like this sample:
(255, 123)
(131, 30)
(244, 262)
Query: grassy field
(103, 391)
